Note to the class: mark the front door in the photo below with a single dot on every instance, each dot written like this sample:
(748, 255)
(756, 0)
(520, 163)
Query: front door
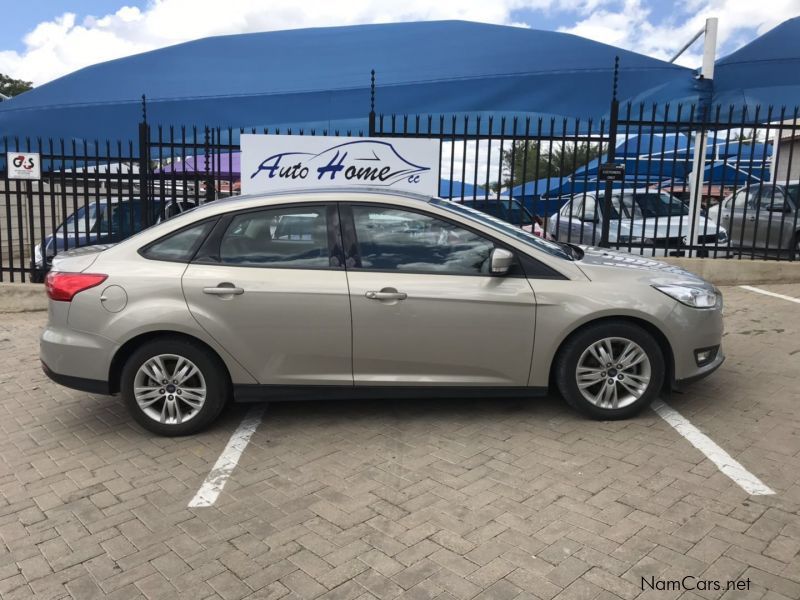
(425, 309)
(269, 285)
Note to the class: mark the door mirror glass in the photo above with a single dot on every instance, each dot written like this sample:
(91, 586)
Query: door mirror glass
(500, 261)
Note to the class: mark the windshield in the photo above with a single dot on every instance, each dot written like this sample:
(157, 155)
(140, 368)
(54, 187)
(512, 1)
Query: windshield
(81, 221)
(793, 190)
(550, 248)
(646, 205)
(515, 214)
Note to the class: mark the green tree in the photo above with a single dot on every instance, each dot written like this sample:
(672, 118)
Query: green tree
(13, 87)
(529, 160)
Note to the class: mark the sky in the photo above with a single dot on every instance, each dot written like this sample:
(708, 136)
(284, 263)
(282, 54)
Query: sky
(41, 40)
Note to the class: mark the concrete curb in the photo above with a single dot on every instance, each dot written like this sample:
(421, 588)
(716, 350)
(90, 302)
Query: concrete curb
(722, 271)
(22, 297)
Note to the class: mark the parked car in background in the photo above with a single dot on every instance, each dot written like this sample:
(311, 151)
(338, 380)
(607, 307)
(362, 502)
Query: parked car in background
(106, 221)
(763, 216)
(655, 221)
(359, 293)
(508, 210)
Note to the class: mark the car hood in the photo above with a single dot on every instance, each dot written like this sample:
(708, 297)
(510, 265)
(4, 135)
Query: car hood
(78, 259)
(661, 228)
(601, 264)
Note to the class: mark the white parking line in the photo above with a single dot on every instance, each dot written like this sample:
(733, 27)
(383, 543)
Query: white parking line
(750, 288)
(212, 486)
(724, 461)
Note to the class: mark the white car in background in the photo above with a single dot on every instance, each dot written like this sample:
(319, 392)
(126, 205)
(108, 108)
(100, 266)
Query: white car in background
(649, 222)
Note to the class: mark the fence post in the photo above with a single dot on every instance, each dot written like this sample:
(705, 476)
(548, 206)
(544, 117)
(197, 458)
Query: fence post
(612, 154)
(145, 167)
(372, 104)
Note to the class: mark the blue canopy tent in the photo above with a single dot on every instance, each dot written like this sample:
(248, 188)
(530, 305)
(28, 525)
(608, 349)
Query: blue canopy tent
(533, 195)
(320, 78)
(765, 72)
(459, 189)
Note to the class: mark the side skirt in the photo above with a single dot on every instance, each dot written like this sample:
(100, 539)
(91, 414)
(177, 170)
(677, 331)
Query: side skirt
(270, 393)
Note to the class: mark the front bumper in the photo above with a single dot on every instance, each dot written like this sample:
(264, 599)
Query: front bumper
(691, 329)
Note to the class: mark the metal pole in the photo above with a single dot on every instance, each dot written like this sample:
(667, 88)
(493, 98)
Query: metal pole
(698, 160)
(611, 156)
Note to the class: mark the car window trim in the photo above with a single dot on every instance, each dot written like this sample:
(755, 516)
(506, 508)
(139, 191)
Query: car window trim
(209, 252)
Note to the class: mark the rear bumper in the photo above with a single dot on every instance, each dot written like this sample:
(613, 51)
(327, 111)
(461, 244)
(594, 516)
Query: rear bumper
(76, 355)
(93, 386)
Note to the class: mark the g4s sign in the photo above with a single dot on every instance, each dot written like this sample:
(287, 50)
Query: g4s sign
(23, 165)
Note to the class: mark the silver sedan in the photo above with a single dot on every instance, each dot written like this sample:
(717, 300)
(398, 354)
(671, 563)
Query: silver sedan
(355, 293)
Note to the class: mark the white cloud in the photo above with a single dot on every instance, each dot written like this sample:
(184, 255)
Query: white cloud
(67, 43)
(629, 26)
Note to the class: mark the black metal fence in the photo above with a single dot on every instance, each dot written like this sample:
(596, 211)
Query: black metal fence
(627, 182)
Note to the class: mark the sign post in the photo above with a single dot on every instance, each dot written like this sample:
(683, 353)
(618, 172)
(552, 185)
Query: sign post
(273, 163)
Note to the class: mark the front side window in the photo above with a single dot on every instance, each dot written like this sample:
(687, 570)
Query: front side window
(294, 237)
(772, 199)
(649, 205)
(391, 239)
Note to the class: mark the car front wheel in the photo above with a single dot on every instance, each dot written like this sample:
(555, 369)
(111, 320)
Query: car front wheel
(611, 370)
(173, 386)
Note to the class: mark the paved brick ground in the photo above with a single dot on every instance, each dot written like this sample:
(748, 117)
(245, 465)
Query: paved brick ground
(490, 499)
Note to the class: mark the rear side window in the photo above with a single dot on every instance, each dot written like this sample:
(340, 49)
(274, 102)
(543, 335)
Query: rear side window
(181, 245)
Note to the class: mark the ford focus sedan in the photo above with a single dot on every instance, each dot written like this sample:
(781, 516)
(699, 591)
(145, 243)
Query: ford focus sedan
(359, 293)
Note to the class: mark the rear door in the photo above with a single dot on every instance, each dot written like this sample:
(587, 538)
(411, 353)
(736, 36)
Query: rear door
(426, 311)
(269, 285)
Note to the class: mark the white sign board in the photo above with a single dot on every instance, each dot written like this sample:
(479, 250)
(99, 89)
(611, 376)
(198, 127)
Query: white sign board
(23, 165)
(288, 162)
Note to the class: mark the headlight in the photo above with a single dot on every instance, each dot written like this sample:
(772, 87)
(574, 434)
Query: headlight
(38, 256)
(690, 295)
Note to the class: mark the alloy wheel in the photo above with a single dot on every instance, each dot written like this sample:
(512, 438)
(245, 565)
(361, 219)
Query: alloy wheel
(613, 373)
(169, 389)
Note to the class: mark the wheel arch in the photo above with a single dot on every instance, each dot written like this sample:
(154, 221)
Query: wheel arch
(130, 346)
(659, 336)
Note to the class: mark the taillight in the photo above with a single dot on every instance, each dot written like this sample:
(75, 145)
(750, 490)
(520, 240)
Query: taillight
(64, 286)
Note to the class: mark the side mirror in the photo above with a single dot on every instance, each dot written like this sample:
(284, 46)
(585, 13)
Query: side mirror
(500, 261)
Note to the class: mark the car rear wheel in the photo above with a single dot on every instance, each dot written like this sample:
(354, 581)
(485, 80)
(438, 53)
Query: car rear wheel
(610, 370)
(174, 387)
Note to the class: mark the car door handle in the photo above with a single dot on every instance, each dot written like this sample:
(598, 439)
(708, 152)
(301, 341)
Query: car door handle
(751, 218)
(386, 295)
(224, 290)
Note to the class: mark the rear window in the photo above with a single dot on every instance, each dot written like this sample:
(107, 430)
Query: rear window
(181, 245)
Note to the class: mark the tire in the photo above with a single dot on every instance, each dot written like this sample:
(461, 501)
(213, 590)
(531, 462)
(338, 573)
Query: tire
(639, 385)
(186, 410)
(795, 249)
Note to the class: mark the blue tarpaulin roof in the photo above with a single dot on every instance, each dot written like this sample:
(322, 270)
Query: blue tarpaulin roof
(321, 77)
(458, 189)
(764, 72)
